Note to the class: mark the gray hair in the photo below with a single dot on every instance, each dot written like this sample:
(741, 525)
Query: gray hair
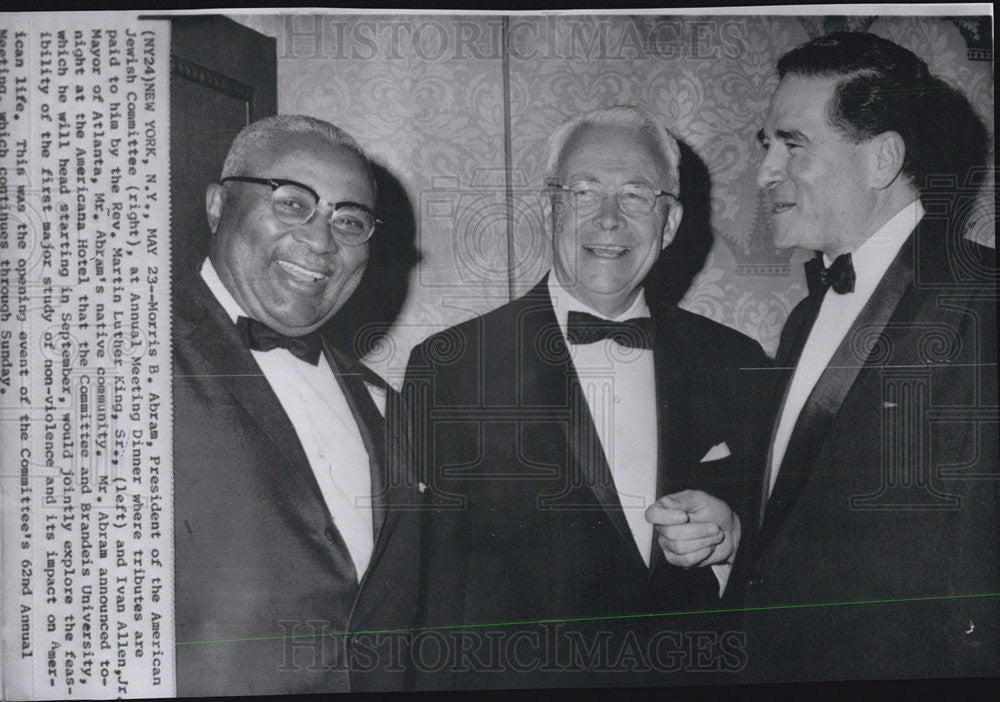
(625, 116)
(256, 136)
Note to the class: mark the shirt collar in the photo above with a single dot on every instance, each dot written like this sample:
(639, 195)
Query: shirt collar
(563, 302)
(215, 284)
(872, 259)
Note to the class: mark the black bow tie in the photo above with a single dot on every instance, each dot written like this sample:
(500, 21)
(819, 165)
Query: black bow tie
(583, 328)
(260, 337)
(839, 276)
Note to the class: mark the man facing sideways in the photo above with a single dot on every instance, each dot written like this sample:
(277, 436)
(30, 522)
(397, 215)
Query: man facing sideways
(879, 550)
(279, 466)
(546, 430)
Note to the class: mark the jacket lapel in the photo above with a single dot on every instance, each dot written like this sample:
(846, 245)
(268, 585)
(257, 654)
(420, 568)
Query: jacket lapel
(351, 376)
(831, 389)
(291, 483)
(549, 379)
(793, 340)
(216, 339)
(673, 413)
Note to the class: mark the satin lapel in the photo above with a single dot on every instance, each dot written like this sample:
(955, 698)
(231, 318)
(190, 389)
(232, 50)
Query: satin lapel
(371, 424)
(549, 379)
(292, 483)
(826, 398)
(673, 414)
(216, 339)
(788, 357)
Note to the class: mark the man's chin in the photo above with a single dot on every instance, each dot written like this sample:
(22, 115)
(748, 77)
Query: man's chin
(785, 240)
(295, 315)
(799, 234)
(294, 326)
(607, 297)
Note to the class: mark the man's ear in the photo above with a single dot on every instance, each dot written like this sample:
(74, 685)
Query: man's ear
(545, 199)
(887, 153)
(673, 221)
(215, 196)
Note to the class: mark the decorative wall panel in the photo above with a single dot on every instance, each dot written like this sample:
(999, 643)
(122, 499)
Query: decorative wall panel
(456, 110)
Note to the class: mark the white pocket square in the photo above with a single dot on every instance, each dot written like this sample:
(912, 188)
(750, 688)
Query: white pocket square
(716, 453)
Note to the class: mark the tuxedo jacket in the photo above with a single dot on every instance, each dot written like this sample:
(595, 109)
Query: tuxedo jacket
(265, 587)
(525, 523)
(880, 539)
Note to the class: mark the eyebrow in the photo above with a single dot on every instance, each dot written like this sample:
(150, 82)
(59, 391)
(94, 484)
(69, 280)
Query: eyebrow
(355, 205)
(791, 135)
(784, 135)
(636, 180)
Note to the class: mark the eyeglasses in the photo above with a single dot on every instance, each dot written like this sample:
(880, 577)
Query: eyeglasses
(634, 199)
(294, 203)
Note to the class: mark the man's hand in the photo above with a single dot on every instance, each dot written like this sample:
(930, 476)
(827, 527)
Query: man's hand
(695, 529)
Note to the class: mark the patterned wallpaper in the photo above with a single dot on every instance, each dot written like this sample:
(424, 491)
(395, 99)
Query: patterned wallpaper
(445, 103)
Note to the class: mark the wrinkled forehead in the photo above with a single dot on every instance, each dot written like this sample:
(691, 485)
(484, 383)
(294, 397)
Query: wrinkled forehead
(801, 100)
(334, 171)
(627, 151)
(291, 149)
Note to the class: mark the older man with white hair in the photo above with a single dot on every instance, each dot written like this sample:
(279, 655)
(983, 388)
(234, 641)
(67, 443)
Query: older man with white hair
(281, 479)
(546, 430)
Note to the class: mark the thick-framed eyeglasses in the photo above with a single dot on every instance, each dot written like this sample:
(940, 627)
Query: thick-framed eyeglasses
(295, 203)
(634, 199)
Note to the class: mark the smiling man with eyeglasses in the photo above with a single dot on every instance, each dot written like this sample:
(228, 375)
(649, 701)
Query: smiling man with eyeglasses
(289, 260)
(604, 246)
(279, 458)
(351, 223)
(548, 428)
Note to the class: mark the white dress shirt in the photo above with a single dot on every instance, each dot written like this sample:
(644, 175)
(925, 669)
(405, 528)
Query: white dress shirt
(619, 386)
(836, 315)
(327, 429)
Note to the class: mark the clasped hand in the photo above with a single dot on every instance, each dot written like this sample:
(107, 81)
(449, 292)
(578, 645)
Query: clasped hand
(695, 529)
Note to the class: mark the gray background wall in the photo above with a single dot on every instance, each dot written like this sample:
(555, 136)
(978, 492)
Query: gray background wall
(447, 104)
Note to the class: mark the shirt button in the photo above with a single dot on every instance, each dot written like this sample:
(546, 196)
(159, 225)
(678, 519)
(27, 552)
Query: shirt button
(331, 534)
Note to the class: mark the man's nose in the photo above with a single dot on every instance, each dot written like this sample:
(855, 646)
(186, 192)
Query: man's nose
(772, 169)
(609, 213)
(317, 232)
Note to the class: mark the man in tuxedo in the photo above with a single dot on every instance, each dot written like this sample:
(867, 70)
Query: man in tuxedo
(545, 430)
(280, 489)
(878, 554)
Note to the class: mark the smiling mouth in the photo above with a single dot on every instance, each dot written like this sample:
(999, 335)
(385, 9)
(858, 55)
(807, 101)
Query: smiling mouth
(607, 251)
(780, 207)
(301, 273)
